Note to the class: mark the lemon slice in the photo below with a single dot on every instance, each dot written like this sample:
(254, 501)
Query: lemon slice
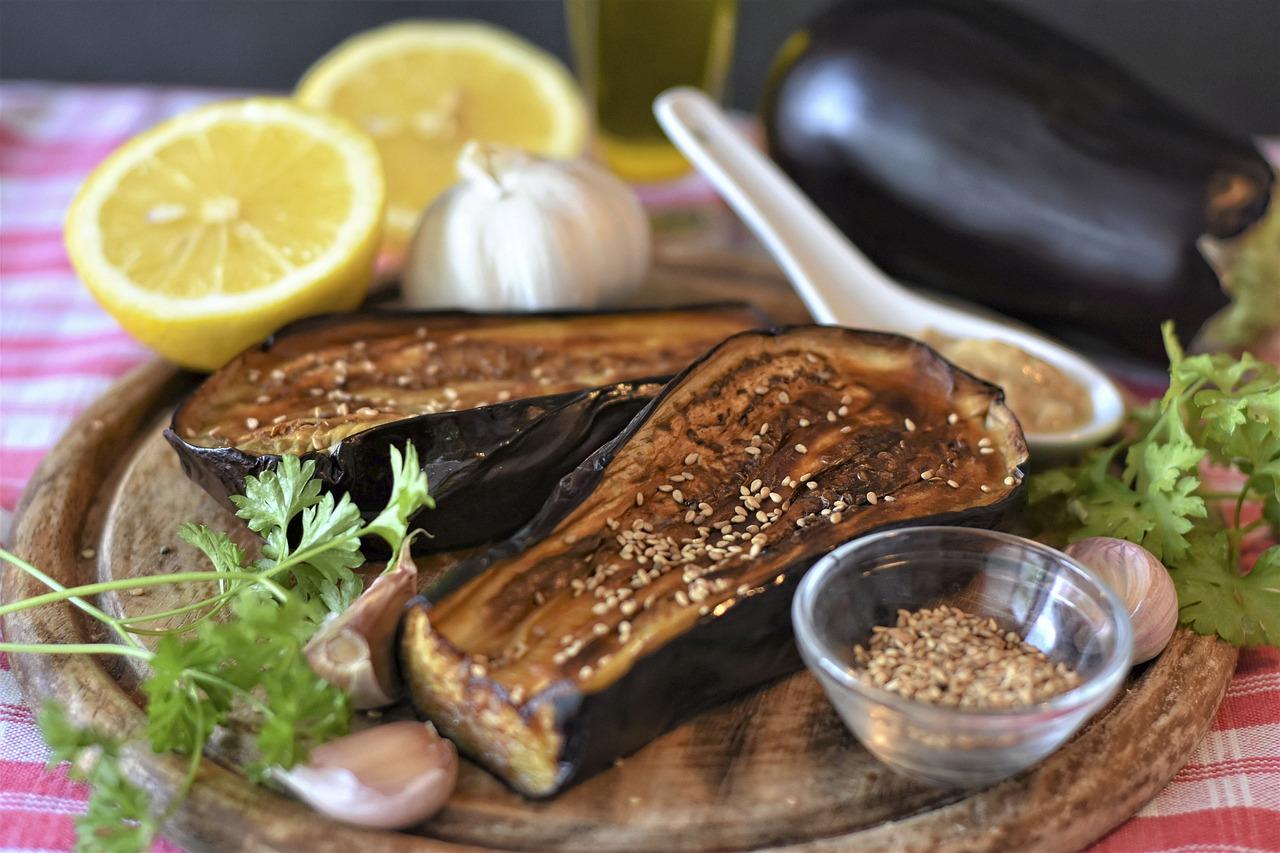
(208, 232)
(423, 89)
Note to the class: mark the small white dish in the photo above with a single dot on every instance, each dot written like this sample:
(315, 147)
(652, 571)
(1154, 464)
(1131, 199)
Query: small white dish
(838, 283)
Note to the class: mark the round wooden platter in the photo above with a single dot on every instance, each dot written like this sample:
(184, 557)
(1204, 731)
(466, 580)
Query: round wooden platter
(775, 770)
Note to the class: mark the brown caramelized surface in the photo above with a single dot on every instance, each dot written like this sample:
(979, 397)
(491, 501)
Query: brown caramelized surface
(775, 449)
(313, 388)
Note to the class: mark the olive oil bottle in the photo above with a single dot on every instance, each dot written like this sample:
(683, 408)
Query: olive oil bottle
(627, 52)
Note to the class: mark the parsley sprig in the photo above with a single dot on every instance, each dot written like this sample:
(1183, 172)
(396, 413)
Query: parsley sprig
(250, 663)
(1147, 489)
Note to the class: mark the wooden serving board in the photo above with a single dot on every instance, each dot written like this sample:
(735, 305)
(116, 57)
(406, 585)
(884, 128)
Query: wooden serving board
(776, 770)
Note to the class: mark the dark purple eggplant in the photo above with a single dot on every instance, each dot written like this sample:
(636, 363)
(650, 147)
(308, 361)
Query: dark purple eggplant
(969, 149)
(499, 407)
(656, 582)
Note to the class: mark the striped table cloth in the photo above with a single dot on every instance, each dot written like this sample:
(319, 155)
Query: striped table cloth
(59, 351)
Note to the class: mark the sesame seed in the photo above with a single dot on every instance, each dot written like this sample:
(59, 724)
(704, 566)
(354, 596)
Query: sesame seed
(984, 442)
(804, 422)
(889, 499)
(251, 423)
(800, 448)
(986, 451)
(760, 389)
(277, 374)
(871, 497)
(845, 430)
(811, 485)
(842, 411)
(681, 598)
(926, 474)
(585, 672)
(831, 416)
(677, 495)
(1008, 481)
(665, 487)
(691, 459)
(775, 497)
(754, 451)
(953, 418)
(599, 629)
(804, 478)
(764, 428)
(909, 424)
(784, 397)
(953, 484)
(985, 487)
(836, 518)
(477, 670)
(639, 499)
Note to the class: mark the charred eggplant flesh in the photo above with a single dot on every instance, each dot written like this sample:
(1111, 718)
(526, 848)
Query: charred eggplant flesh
(656, 581)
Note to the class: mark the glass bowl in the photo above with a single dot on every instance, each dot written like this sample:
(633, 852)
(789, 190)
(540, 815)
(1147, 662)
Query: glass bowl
(1042, 594)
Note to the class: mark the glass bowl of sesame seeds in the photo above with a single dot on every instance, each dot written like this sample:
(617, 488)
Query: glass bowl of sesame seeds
(960, 656)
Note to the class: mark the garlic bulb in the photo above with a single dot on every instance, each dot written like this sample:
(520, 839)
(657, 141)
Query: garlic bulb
(1142, 583)
(522, 233)
(387, 777)
(355, 649)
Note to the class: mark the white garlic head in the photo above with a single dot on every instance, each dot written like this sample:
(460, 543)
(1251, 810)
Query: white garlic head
(1141, 582)
(522, 233)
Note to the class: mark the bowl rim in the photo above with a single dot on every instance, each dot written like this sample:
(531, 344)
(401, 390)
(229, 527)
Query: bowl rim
(820, 655)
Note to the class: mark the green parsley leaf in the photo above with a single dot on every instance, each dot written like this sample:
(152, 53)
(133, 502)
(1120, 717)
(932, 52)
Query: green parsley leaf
(1217, 407)
(1215, 599)
(253, 660)
(272, 499)
(330, 548)
(118, 817)
(408, 495)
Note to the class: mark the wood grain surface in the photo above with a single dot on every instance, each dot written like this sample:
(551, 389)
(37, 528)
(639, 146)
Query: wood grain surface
(776, 770)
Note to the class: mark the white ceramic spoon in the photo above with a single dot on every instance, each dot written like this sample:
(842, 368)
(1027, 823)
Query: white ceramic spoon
(837, 283)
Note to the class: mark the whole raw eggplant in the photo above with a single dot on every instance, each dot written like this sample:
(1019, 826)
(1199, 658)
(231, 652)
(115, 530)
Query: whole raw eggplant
(969, 149)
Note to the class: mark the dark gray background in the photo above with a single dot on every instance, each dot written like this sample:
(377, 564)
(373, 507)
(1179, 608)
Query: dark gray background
(1220, 58)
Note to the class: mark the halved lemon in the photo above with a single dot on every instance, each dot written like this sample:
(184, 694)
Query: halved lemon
(423, 89)
(208, 232)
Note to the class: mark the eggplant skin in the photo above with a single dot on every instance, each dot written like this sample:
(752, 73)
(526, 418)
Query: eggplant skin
(505, 657)
(491, 466)
(969, 149)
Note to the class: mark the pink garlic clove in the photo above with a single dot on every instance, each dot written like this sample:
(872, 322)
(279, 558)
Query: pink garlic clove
(355, 651)
(1141, 582)
(388, 777)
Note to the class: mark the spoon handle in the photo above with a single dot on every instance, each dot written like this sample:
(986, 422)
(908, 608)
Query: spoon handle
(837, 283)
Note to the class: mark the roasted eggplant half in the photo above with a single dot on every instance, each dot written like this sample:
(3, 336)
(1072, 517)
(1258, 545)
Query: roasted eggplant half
(499, 407)
(656, 582)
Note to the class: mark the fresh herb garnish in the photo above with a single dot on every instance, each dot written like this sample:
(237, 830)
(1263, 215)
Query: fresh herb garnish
(251, 662)
(1147, 489)
(1252, 268)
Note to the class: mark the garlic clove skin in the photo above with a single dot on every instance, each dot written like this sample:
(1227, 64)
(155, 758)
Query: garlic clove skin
(518, 232)
(355, 651)
(388, 777)
(1142, 583)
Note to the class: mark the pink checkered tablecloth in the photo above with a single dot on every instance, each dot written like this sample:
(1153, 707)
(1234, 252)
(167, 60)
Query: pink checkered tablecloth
(59, 351)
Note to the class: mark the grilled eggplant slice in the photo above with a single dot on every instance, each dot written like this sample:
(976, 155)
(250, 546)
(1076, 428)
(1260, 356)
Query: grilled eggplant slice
(500, 407)
(656, 581)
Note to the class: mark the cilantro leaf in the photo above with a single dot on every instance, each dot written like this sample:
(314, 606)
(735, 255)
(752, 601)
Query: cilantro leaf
(1215, 599)
(118, 818)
